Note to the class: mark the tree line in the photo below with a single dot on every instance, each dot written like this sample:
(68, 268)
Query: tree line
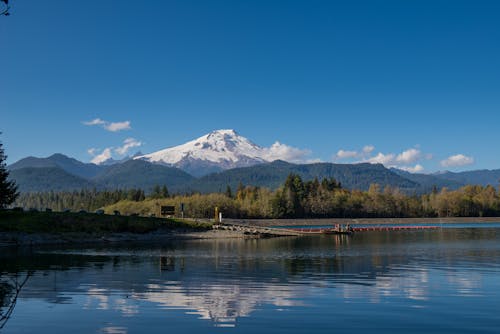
(296, 198)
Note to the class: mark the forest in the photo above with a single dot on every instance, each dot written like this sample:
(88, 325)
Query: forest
(294, 199)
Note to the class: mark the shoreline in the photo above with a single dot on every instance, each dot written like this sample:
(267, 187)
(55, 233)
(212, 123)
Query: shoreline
(21, 239)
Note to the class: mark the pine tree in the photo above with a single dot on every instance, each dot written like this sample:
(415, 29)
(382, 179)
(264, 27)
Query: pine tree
(229, 193)
(156, 193)
(164, 192)
(8, 189)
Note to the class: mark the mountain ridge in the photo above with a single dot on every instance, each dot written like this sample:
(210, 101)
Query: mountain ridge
(219, 159)
(145, 175)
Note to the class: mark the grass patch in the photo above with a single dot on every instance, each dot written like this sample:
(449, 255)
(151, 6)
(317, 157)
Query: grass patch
(69, 222)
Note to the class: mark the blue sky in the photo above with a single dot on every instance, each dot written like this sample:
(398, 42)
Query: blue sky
(413, 83)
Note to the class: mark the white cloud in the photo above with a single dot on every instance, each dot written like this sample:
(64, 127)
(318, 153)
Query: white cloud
(415, 169)
(110, 126)
(381, 158)
(105, 155)
(390, 159)
(96, 121)
(368, 149)
(346, 154)
(279, 151)
(409, 156)
(118, 126)
(457, 160)
(313, 161)
(127, 145)
(341, 154)
(92, 151)
(406, 160)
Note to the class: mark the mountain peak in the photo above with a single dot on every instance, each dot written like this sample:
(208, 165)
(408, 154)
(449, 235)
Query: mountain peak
(229, 132)
(218, 150)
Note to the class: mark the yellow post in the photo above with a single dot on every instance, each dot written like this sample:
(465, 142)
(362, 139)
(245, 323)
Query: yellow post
(216, 214)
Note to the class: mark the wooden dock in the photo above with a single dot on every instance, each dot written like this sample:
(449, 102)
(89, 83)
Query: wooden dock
(258, 231)
(299, 231)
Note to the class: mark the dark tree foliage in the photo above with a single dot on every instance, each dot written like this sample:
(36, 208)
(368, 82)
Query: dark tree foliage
(159, 192)
(5, 9)
(8, 188)
(136, 195)
(229, 193)
(89, 200)
(296, 198)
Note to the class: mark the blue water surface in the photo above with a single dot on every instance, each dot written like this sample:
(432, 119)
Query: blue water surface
(434, 281)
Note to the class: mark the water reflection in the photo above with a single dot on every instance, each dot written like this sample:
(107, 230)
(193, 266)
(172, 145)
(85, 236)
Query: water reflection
(223, 281)
(11, 285)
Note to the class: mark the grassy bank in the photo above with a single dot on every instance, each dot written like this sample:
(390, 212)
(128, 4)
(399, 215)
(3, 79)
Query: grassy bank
(68, 222)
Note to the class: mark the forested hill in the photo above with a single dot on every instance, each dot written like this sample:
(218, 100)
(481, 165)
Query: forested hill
(32, 179)
(67, 164)
(272, 175)
(59, 172)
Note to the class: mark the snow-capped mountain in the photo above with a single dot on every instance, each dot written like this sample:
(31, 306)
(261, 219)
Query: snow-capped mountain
(216, 151)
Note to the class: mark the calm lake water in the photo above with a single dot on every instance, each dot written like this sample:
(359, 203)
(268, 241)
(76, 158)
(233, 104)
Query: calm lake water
(433, 281)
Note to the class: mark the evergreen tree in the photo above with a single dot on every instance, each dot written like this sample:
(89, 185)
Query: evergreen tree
(156, 193)
(8, 189)
(164, 192)
(229, 193)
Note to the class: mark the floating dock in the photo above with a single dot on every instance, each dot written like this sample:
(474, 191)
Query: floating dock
(351, 229)
(392, 228)
(298, 231)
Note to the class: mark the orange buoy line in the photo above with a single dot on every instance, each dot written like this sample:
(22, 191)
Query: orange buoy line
(392, 228)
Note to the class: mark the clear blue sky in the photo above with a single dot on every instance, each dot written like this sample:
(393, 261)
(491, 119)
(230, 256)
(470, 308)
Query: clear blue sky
(415, 76)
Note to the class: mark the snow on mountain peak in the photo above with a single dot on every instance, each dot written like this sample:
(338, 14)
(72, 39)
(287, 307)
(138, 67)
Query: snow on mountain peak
(220, 146)
(218, 150)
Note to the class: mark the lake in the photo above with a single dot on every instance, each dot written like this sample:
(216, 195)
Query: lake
(434, 281)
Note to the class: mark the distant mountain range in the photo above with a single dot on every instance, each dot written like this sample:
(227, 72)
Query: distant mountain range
(59, 172)
(215, 161)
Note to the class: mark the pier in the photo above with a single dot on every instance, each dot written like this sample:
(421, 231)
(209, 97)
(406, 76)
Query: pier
(299, 231)
(258, 230)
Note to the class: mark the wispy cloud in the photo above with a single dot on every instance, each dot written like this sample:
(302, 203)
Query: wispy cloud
(92, 151)
(96, 121)
(109, 126)
(368, 149)
(457, 160)
(128, 144)
(118, 126)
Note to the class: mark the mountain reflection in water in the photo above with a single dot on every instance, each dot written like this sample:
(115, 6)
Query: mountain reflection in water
(223, 282)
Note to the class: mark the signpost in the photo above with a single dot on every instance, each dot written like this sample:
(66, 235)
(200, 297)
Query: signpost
(167, 210)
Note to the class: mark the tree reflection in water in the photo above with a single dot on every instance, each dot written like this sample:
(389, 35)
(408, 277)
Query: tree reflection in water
(10, 287)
